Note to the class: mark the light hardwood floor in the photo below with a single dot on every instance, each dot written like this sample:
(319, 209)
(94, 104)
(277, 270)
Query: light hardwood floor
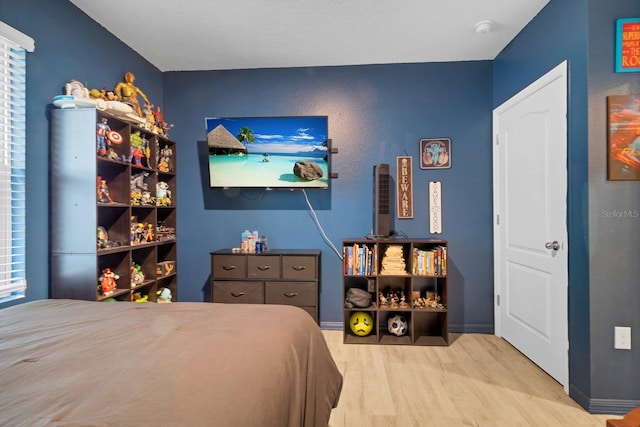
(479, 380)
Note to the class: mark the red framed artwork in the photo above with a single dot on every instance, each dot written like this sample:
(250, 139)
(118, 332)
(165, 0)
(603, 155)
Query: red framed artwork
(623, 148)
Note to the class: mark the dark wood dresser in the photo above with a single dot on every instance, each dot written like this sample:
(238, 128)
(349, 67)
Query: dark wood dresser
(289, 277)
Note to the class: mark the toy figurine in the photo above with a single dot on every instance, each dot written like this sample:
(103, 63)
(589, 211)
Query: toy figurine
(108, 282)
(135, 139)
(148, 236)
(101, 135)
(128, 93)
(102, 237)
(147, 110)
(136, 156)
(164, 296)
(146, 149)
(138, 297)
(139, 233)
(384, 302)
(112, 155)
(137, 276)
(103, 192)
(163, 194)
(403, 300)
(158, 118)
(147, 199)
(394, 299)
(164, 163)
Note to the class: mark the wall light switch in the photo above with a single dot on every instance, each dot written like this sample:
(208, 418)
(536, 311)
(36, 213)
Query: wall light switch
(622, 338)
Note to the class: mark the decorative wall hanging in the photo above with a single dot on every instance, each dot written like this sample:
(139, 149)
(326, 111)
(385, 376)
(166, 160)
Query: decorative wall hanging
(404, 182)
(627, 45)
(623, 151)
(435, 207)
(435, 153)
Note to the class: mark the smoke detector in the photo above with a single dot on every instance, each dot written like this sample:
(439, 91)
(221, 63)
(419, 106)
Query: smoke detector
(483, 27)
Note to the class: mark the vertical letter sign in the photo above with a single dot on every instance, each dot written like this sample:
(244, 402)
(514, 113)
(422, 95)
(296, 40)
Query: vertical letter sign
(404, 178)
(435, 208)
(627, 45)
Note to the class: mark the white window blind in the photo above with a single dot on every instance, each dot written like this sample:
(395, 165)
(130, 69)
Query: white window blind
(13, 282)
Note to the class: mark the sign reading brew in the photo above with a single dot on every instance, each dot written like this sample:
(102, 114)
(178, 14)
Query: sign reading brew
(628, 45)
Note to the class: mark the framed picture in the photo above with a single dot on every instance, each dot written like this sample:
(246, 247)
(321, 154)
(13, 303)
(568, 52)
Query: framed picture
(435, 153)
(628, 45)
(623, 126)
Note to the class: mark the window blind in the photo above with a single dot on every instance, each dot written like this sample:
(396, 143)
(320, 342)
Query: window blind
(13, 281)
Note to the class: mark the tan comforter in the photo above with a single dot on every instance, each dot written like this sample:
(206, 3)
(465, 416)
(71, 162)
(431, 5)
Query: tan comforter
(81, 363)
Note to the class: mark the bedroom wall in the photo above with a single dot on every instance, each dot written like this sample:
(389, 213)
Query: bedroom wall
(376, 113)
(603, 270)
(614, 242)
(69, 45)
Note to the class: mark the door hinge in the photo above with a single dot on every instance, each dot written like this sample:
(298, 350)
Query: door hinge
(498, 299)
(498, 219)
(497, 139)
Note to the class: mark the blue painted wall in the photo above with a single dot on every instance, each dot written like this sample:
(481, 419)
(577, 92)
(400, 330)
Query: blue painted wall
(69, 45)
(603, 271)
(376, 113)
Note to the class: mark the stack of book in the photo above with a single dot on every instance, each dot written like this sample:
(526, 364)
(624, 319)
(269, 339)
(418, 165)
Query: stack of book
(393, 262)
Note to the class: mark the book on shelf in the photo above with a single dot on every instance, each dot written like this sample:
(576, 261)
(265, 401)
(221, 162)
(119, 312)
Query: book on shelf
(360, 260)
(430, 262)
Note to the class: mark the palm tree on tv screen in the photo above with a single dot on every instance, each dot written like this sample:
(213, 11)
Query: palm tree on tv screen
(246, 135)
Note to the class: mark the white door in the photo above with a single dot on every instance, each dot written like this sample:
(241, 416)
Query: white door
(530, 229)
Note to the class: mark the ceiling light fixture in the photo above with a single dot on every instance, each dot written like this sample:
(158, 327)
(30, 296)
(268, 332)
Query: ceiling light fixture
(483, 27)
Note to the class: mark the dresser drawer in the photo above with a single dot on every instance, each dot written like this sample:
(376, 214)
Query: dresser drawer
(237, 292)
(290, 293)
(228, 266)
(299, 267)
(263, 267)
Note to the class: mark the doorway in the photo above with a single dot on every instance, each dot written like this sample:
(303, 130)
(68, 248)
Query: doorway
(530, 224)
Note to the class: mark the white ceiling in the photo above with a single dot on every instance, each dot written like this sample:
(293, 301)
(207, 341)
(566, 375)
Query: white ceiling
(236, 34)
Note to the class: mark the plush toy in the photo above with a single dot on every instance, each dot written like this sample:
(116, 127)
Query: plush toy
(164, 296)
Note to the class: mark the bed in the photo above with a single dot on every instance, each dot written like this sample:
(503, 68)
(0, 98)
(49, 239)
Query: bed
(68, 362)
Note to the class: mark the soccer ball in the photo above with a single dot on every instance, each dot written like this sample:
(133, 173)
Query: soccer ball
(361, 323)
(397, 325)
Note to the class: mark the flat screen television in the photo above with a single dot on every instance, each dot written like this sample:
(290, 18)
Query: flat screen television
(268, 152)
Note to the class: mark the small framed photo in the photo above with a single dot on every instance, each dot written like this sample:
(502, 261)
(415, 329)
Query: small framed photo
(435, 153)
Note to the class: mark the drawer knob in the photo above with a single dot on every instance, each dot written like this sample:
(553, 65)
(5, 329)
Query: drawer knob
(290, 294)
(237, 294)
(228, 267)
(264, 267)
(299, 267)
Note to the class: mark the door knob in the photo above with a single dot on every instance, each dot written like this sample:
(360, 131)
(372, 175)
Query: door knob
(552, 245)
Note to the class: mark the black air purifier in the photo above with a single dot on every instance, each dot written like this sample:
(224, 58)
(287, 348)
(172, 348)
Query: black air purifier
(381, 201)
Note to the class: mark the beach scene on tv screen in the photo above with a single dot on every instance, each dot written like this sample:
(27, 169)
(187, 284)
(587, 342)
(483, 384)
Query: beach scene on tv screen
(274, 152)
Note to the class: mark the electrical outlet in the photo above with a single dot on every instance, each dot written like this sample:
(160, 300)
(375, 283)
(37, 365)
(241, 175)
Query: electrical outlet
(622, 338)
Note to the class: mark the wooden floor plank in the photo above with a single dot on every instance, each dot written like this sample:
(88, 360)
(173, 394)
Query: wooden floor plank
(478, 380)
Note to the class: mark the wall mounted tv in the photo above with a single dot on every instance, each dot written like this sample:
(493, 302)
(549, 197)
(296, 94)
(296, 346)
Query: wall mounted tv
(261, 152)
